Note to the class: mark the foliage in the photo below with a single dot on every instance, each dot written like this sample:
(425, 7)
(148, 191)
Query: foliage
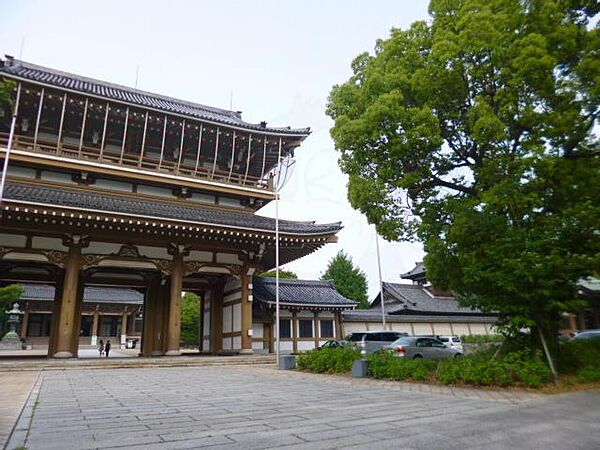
(349, 280)
(474, 133)
(581, 357)
(6, 88)
(481, 338)
(190, 318)
(328, 360)
(282, 274)
(8, 294)
(482, 369)
(386, 365)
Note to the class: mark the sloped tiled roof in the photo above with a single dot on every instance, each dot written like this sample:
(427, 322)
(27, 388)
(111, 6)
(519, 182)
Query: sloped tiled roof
(148, 209)
(300, 293)
(416, 272)
(415, 299)
(110, 91)
(91, 294)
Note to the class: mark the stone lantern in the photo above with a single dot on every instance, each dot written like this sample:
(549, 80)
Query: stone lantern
(12, 340)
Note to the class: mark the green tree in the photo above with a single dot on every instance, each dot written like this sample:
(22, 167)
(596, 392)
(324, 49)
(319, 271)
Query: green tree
(8, 295)
(6, 88)
(282, 274)
(349, 280)
(474, 133)
(190, 318)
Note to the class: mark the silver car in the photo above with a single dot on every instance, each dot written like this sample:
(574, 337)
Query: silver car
(372, 341)
(422, 347)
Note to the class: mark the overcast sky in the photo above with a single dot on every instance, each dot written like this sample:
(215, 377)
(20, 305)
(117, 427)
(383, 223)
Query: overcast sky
(278, 58)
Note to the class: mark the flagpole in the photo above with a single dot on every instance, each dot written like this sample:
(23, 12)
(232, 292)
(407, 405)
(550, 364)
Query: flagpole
(380, 280)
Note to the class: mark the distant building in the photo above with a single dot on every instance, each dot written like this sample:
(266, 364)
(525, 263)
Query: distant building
(419, 309)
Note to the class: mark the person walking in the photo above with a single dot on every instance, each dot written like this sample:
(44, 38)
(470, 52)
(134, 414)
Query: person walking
(101, 347)
(107, 348)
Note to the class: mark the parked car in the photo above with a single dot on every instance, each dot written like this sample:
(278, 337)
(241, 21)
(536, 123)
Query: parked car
(452, 342)
(587, 334)
(422, 347)
(334, 343)
(372, 341)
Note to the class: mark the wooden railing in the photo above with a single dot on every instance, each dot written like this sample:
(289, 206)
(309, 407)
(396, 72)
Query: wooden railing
(114, 158)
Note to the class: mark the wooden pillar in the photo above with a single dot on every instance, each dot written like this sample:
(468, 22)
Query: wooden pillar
(294, 332)
(56, 306)
(247, 332)
(174, 324)
(124, 328)
(216, 317)
(317, 329)
(67, 320)
(95, 325)
(155, 317)
(25, 322)
(338, 324)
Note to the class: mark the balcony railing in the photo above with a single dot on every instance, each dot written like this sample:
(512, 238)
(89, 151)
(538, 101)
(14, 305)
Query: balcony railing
(113, 156)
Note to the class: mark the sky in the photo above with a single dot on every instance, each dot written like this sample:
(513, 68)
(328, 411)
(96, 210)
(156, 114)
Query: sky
(273, 60)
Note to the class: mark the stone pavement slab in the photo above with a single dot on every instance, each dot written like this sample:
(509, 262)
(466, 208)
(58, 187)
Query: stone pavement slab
(14, 389)
(253, 407)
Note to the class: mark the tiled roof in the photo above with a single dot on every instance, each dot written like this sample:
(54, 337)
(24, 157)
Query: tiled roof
(163, 210)
(299, 292)
(374, 315)
(403, 299)
(34, 292)
(416, 272)
(111, 91)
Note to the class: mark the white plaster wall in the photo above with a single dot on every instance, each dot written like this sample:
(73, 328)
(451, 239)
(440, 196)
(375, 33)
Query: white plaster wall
(44, 243)
(228, 258)
(232, 297)
(197, 255)
(306, 314)
(113, 185)
(403, 327)
(257, 346)
(237, 317)
(227, 342)
(101, 248)
(326, 315)
(237, 343)
(478, 328)
(257, 330)
(232, 284)
(58, 177)
(305, 345)
(154, 252)
(352, 327)
(460, 329)
(227, 325)
(422, 328)
(286, 346)
(206, 345)
(154, 190)
(23, 172)
(12, 240)
(442, 329)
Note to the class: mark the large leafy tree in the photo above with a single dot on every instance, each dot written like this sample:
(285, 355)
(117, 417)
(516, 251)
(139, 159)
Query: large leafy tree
(190, 318)
(282, 274)
(474, 132)
(348, 279)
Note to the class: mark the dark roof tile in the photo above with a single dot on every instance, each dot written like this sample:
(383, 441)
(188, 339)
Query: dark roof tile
(299, 292)
(91, 294)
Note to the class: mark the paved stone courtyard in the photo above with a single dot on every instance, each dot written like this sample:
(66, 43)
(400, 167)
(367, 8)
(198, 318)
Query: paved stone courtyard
(258, 407)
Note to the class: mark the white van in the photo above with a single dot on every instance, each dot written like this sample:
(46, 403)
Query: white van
(452, 342)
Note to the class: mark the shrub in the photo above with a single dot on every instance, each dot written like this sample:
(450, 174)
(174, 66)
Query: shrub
(524, 368)
(481, 338)
(581, 357)
(328, 360)
(386, 365)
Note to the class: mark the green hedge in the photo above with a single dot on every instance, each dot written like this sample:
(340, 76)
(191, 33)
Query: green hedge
(386, 365)
(482, 369)
(582, 358)
(481, 338)
(328, 360)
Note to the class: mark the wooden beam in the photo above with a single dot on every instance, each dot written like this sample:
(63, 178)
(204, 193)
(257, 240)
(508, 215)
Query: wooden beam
(162, 147)
(199, 148)
(143, 140)
(124, 135)
(37, 122)
(62, 119)
(248, 157)
(85, 108)
(104, 131)
(181, 145)
(215, 158)
(232, 157)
